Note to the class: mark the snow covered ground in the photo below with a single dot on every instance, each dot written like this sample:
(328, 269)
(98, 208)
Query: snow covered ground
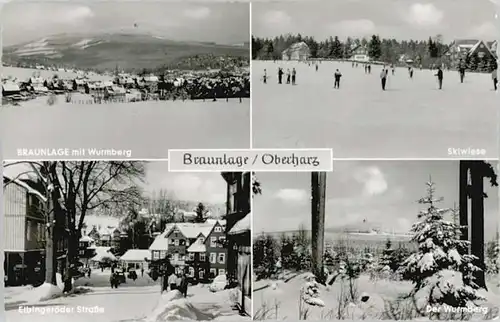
(149, 128)
(411, 119)
(280, 300)
(135, 301)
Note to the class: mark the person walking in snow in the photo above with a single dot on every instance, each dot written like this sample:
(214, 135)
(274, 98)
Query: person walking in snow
(337, 76)
(288, 75)
(264, 78)
(439, 75)
(383, 77)
(184, 284)
(294, 76)
(494, 77)
(280, 75)
(172, 282)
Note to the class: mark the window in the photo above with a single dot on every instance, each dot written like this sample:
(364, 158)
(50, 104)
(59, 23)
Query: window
(176, 242)
(28, 231)
(222, 258)
(182, 242)
(203, 257)
(176, 257)
(222, 271)
(172, 241)
(213, 272)
(201, 274)
(213, 258)
(191, 271)
(82, 252)
(213, 241)
(156, 254)
(222, 241)
(191, 256)
(201, 240)
(218, 229)
(163, 254)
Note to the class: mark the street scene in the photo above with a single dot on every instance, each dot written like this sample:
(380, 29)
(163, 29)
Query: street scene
(378, 240)
(111, 241)
(120, 78)
(376, 79)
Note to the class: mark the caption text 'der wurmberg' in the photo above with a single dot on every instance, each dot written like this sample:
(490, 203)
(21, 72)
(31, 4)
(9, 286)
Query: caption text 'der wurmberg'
(258, 159)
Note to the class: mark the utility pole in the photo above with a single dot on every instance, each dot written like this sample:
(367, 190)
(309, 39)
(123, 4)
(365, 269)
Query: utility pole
(318, 191)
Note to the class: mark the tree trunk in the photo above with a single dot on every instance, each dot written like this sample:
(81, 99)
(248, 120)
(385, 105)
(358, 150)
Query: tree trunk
(477, 220)
(50, 255)
(318, 185)
(463, 201)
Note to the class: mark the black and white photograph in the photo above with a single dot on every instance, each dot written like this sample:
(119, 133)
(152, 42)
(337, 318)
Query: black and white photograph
(376, 79)
(128, 76)
(378, 240)
(111, 241)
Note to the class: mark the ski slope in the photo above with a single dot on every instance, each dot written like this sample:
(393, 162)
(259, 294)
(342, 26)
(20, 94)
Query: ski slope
(411, 119)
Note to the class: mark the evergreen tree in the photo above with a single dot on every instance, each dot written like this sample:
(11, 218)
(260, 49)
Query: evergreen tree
(438, 270)
(386, 261)
(375, 48)
(201, 212)
(337, 51)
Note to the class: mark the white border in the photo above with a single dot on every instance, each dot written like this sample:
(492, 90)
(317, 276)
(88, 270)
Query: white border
(250, 117)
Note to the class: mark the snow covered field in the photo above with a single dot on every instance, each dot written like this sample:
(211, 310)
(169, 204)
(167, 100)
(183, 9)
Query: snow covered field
(135, 301)
(149, 128)
(411, 119)
(280, 300)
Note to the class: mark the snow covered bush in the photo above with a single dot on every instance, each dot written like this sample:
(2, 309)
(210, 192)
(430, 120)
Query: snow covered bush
(441, 270)
(492, 257)
(265, 256)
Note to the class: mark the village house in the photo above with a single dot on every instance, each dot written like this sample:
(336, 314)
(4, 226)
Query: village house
(298, 51)
(198, 248)
(24, 233)
(238, 217)
(9, 89)
(135, 259)
(461, 49)
(360, 54)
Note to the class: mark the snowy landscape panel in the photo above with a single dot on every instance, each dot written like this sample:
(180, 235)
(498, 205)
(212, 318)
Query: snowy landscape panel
(144, 245)
(137, 81)
(297, 102)
(391, 240)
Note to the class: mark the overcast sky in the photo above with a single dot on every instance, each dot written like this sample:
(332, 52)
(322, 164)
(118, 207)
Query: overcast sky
(400, 19)
(225, 23)
(208, 187)
(382, 192)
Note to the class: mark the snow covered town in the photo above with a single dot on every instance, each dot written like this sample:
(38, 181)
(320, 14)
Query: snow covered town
(368, 250)
(143, 257)
(232, 82)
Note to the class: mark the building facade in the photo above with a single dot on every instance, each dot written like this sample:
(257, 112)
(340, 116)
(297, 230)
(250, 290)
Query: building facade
(24, 233)
(360, 53)
(298, 51)
(238, 218)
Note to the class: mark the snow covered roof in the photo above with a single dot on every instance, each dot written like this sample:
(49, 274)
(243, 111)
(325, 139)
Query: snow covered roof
(299, 46)
(86, 239)
(194, 230)
(479, 43)
(27, 187)
(189, 230)
(102, 253)
(241, 226)
(136, 255)
(10, 87)
(197, 247)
